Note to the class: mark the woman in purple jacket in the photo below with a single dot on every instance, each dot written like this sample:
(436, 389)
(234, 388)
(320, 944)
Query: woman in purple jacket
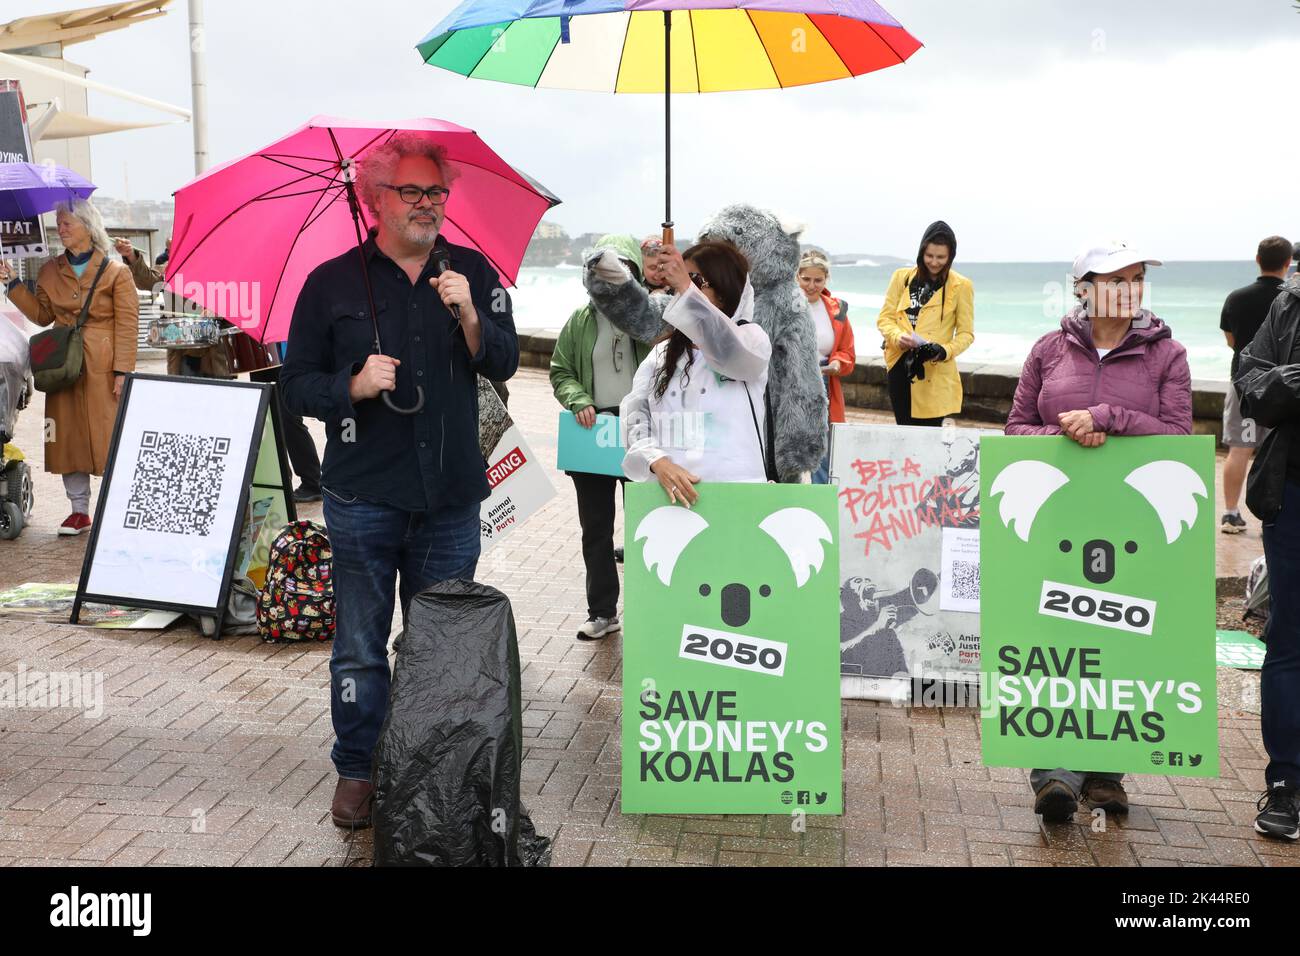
(1113, 368)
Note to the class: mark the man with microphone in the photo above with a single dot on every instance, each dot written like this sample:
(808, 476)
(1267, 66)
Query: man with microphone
(402, 475)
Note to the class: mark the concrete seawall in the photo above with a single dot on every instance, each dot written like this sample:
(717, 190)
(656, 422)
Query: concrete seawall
(987, 388)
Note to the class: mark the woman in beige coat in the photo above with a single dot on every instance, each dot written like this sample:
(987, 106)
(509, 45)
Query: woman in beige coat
(81, 416)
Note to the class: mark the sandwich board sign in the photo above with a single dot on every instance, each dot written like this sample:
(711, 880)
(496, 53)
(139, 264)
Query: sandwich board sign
(909, 521)
(188, 459)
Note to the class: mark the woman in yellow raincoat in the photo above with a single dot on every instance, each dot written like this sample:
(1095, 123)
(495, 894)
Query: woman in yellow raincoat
(928, 319)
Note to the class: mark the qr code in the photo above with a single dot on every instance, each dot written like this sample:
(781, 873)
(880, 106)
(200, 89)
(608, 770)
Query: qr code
(966, 580)
(177, 483)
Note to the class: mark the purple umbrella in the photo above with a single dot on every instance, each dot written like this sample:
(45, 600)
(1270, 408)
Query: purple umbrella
(30, 189)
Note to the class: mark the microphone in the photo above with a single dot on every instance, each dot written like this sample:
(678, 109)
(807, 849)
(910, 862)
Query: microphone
(441, 263)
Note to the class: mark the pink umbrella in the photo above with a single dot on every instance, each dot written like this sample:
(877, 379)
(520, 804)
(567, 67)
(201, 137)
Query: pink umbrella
(248, 232)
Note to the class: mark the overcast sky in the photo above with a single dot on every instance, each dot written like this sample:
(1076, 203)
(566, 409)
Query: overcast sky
(1032, 126)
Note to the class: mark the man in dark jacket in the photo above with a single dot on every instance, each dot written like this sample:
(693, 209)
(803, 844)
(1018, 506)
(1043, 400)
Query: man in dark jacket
(1268, 383)
(402, 488)
(1244, 312)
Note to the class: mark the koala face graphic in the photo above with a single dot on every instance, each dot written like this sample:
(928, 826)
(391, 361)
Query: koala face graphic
(1100, 545)
(782, 553)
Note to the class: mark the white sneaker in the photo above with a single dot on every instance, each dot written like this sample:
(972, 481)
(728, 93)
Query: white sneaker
(598, 627)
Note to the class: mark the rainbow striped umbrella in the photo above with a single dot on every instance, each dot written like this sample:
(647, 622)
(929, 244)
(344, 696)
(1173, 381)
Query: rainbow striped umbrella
(666, 46)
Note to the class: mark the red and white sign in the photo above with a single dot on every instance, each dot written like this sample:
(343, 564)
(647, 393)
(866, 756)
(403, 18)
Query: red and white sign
(506, 467)
(519, 485)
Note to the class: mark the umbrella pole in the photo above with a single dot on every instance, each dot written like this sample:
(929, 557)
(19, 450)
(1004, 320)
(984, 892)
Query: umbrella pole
(668, 129)
(349, 185)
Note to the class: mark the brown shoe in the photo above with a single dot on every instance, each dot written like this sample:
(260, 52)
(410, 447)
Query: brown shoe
(1107, 795)
(351, 807)
(1056, 802)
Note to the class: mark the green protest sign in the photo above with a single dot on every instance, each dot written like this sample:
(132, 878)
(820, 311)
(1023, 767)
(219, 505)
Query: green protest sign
(731, 688)
(1097, 604)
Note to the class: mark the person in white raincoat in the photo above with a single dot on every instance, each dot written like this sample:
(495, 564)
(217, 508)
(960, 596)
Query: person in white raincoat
(696, 410)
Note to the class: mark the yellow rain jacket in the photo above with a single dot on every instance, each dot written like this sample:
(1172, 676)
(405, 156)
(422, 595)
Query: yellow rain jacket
(947, 320)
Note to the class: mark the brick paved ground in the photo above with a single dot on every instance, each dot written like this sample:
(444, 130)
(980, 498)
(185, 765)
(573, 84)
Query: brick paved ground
(216, 753)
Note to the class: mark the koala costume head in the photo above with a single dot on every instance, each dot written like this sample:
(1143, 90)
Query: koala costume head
(772, 252)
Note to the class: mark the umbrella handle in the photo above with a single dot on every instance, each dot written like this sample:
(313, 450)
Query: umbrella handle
(419, 402)
(668, 235)
(347, 169)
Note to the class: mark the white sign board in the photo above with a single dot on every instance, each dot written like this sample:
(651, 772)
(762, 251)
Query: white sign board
(909, 556)
(519, 484)
(172, 503)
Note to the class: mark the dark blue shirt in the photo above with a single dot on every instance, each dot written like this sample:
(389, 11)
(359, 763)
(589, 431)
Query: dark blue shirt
(420, 462)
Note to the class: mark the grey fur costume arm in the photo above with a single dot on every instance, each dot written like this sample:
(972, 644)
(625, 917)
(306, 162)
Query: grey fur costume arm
(627, 305)
(796, 395)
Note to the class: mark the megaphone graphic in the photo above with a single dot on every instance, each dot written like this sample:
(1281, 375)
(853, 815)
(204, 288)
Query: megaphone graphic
(916, 595)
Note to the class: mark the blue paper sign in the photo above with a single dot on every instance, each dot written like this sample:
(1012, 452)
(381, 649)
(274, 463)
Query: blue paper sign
(593, 451)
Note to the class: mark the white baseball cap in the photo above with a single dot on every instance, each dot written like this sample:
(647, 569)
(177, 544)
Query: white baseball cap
(1109, 257)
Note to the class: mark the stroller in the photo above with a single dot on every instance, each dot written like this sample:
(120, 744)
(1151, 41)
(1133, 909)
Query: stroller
(16, 497)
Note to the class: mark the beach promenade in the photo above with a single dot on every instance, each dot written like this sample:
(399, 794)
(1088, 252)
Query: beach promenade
(217, 753)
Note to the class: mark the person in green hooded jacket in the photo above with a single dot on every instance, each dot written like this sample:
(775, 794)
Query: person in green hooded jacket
(591, 371)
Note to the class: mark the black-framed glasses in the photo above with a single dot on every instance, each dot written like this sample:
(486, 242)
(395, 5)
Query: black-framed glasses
(411, 195)
(699, 280)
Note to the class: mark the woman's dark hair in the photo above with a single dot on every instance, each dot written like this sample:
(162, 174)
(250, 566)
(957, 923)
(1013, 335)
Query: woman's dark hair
(939, 234)
(1083, 283)
(725, 269)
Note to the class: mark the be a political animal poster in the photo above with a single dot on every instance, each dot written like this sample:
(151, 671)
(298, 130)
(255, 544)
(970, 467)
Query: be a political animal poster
(1098, 605)
(519, 484)
(909, 515)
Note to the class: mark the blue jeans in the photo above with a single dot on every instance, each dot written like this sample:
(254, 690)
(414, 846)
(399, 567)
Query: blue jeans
(822, 473)
(822, 476)
(1279, 680)
(372, 545)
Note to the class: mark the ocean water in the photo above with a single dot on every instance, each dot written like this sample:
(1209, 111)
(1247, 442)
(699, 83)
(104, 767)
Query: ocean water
(1015, 303)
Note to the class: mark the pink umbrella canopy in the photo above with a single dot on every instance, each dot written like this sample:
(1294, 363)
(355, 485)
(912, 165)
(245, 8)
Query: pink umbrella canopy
(248, 232)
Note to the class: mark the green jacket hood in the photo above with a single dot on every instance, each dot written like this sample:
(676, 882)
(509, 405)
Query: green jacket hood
(625, 247)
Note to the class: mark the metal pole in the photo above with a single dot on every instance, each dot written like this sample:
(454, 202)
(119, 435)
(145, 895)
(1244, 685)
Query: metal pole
(31, 66)
(668, 129)
(199, 86)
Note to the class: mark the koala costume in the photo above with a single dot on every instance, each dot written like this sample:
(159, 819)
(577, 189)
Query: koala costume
(796, 394)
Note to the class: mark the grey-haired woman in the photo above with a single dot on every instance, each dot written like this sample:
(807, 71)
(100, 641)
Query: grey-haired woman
(81, 415)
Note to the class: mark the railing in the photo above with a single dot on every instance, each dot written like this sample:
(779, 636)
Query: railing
(149, 310)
